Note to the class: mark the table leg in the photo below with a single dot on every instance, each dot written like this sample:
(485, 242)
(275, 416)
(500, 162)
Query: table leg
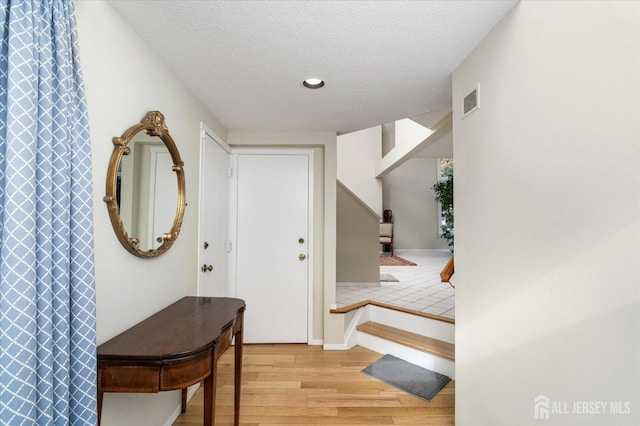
(100, 397)
(210, 394)
(183, 408)
(238, 377)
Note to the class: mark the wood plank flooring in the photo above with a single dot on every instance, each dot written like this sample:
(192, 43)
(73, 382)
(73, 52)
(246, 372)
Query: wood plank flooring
(304, 385)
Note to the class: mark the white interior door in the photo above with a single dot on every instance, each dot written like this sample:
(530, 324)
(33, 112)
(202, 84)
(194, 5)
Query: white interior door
(214, 217)
(164, 196)
(272, 246)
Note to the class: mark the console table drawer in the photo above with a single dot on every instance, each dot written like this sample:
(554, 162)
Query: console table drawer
(184, 373)
(124, 378)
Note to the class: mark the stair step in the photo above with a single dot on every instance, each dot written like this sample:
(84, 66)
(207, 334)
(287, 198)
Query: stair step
(406, 338)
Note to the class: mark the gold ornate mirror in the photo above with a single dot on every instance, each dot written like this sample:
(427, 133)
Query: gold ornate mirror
(145, 205)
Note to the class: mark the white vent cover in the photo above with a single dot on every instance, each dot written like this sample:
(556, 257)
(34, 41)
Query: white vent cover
(471, 102)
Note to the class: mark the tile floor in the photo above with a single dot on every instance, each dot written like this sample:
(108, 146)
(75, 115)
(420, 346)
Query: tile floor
(419, 287)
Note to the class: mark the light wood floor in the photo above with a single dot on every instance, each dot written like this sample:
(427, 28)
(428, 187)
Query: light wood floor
(304, 385)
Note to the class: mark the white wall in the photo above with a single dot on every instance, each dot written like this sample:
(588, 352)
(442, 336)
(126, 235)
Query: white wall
(124, 79)
(548, 216)
(358, 153)
(412, 136)
(408, 194)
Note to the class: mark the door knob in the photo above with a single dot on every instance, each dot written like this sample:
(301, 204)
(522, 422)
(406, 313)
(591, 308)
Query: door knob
(302, 257)
(207, 268)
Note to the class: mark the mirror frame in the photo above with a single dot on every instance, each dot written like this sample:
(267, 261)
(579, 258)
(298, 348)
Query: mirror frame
(154, 125)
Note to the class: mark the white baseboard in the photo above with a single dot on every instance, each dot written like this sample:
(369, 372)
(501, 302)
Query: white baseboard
(335, 347)
(190, 392)
(315, 342)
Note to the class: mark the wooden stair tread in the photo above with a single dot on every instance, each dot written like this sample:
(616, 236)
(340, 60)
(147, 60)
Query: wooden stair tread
(407, 338)
(355, 306)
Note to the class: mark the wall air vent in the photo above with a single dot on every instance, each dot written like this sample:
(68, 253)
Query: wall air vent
(471, 102)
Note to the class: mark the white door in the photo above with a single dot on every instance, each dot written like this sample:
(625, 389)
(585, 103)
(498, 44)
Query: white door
(164, 196)
(272, 246)
(214, 218)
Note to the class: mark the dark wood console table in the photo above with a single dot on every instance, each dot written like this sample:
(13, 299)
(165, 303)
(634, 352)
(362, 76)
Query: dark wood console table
(173, 349)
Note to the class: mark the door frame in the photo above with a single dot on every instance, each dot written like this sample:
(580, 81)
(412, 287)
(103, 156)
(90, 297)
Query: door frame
(233, 219)
(204, 132)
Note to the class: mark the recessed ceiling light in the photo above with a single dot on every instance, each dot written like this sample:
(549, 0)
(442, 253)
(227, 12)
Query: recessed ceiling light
(313, 83)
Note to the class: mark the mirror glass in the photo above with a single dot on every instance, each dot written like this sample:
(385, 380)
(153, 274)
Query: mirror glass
(145, 187)
(147, 193)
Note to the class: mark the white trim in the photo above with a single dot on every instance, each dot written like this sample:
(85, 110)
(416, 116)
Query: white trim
(176, 413)
(204, 131)
(233, 219)
(272, 151)
(439, 218)
(310, 257)
(335, 347)
(233, 225)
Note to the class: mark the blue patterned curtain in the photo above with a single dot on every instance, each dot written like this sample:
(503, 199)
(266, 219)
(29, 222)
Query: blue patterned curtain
(47, 282)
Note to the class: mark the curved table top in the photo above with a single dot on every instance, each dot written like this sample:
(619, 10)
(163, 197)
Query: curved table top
(186, 328)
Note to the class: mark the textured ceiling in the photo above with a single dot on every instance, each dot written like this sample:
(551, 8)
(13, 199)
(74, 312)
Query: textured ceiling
(381, 60)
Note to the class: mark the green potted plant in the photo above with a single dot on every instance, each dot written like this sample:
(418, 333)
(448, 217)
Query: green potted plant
(444, 195)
